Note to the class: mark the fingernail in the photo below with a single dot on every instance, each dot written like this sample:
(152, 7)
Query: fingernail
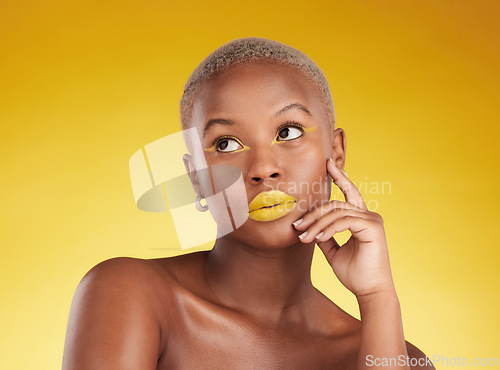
(319, 235)
(301, 236)
(331, 160)
(298, 222)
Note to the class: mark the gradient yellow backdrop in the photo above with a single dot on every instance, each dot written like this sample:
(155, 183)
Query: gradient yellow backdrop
(84, 84)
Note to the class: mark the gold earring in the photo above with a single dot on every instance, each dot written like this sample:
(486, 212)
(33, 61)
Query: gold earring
(198, 205)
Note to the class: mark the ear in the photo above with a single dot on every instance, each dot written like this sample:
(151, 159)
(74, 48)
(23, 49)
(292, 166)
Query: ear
(339, 147)
(192, 173)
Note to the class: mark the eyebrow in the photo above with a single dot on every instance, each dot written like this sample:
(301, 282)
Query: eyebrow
(228, 122)
(217, 121)
(292, 106)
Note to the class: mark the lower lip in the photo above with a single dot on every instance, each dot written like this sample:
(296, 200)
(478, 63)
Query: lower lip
(272, 213)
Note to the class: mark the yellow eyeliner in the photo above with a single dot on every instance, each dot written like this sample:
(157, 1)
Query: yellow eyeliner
(305, 129)
(212, 149)
(309, 129)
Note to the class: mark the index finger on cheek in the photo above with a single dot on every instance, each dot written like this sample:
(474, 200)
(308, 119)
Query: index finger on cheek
(351, 192)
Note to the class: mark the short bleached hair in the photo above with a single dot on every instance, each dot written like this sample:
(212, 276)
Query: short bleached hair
(252, 49)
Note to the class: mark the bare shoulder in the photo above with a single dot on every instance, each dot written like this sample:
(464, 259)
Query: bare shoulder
(339, 322)
(341, 331)
(114, 321)
(185, 273)
(346, 333)
(120, 280)
(126, 278)
(184, 264)
(126, 269)
(417, 359)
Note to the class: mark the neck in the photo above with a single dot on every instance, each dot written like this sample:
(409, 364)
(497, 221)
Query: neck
(266, 283)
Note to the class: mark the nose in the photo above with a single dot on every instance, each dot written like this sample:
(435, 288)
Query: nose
(264, 167)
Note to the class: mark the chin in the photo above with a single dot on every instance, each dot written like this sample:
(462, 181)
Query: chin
(267, 235)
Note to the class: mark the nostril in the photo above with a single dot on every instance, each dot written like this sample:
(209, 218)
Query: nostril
(259, 179)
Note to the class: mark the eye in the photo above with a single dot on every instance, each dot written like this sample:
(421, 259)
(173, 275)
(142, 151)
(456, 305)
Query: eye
(227, 145)
(289, 133)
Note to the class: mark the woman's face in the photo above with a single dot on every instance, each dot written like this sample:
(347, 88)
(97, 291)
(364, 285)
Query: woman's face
(268, 120)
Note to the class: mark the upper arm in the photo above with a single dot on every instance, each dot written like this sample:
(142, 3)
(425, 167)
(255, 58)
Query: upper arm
(112, 323)
(418, 359)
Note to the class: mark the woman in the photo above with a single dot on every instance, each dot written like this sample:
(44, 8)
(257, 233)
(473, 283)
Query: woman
(266, 109)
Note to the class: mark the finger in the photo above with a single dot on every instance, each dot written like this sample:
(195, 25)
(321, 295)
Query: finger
(316, 230)
(351, 192)
(329, 249)
(309, 218)
(359, 227)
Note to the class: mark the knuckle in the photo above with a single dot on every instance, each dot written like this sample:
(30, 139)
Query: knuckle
(329, 230)
(377, 217)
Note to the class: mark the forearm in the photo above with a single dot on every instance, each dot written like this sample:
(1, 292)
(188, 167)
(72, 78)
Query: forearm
(382, 339)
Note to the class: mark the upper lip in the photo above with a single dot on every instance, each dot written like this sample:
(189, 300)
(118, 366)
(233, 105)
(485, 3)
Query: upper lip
(268, 199)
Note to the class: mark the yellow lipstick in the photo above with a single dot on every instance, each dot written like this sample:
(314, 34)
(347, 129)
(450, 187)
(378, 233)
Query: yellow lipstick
(270, 205)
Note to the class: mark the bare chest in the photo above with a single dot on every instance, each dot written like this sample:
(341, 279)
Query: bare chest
(205, 336)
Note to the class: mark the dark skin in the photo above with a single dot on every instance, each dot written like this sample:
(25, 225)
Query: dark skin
(249, 302)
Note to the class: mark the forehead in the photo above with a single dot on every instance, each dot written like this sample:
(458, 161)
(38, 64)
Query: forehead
(255, 88)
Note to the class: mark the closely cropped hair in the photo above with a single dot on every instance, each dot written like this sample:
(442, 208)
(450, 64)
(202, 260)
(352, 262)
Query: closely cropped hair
(246, 50)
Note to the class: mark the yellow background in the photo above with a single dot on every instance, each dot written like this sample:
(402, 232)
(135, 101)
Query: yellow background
(84, 84)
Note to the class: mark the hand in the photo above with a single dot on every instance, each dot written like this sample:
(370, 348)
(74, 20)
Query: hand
(362, 263)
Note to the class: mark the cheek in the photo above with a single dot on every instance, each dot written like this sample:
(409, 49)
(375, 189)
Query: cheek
(310, 163)
(309, 176)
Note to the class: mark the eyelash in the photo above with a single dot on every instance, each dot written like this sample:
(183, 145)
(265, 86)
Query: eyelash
(220, 138)
(281, 127)
(290, 124)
